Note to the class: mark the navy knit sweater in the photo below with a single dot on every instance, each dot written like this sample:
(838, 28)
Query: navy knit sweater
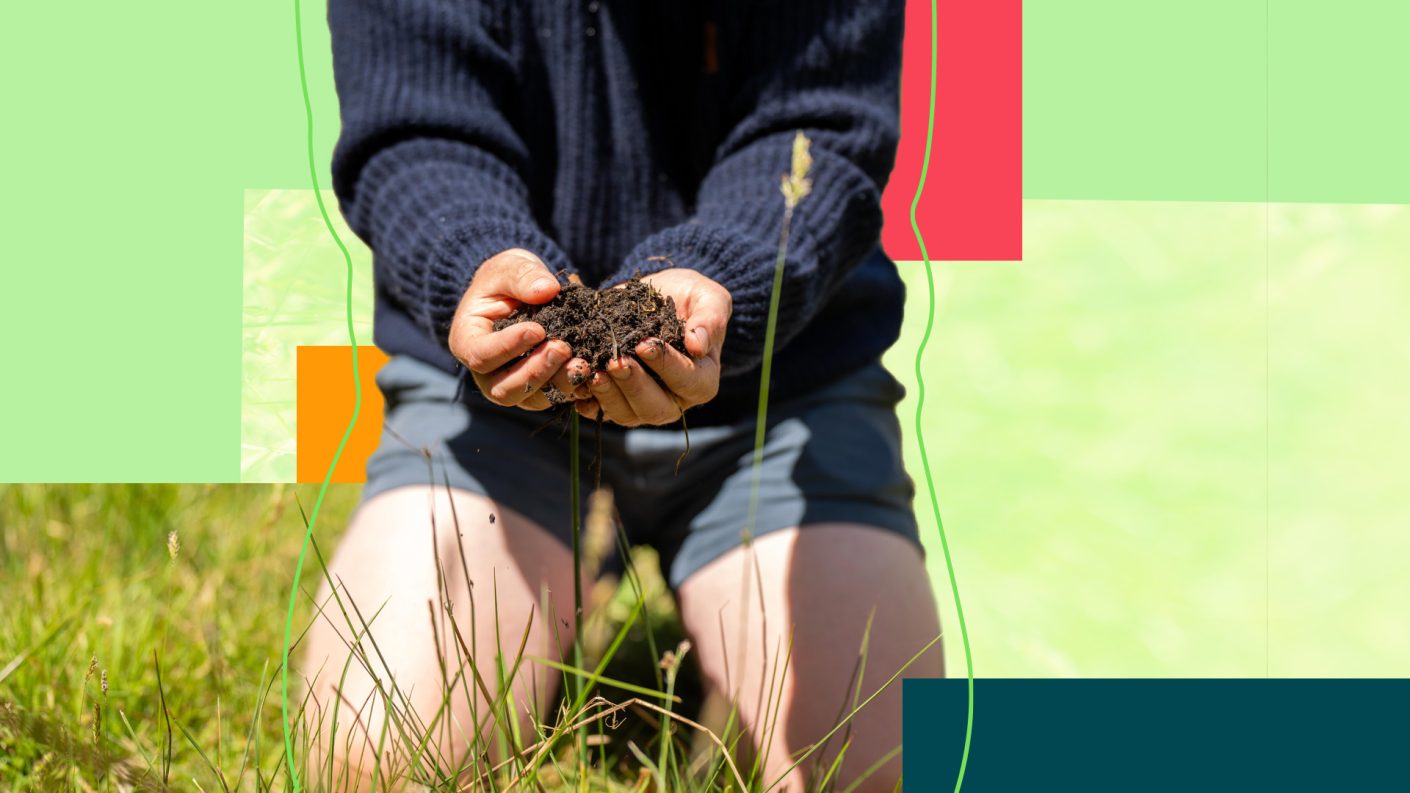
(614, 137)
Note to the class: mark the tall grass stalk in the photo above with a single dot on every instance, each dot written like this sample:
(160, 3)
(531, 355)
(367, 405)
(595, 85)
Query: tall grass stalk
(575, 497)
(796, 186)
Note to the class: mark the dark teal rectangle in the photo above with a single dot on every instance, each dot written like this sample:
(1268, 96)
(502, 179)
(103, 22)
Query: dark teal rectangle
(1159, 735)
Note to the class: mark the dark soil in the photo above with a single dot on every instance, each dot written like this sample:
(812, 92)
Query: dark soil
(601, 324)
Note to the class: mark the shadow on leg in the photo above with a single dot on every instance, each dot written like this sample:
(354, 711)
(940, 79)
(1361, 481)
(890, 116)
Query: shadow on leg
(782, 624)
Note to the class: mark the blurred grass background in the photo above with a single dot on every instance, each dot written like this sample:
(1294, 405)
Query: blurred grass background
(1171, 442)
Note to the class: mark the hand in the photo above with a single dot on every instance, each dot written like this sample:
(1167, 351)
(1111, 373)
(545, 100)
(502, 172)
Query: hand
(504, 282)
(628, 395)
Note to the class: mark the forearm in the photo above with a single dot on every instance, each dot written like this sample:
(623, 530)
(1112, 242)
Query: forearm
(433, 211)
(735, 237)
(430, 169)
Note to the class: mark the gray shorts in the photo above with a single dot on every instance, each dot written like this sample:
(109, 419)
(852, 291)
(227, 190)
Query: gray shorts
(832, 456)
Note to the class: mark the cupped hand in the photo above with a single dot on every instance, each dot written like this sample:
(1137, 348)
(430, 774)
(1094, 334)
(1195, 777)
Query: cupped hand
(511, 366)
(628, 395)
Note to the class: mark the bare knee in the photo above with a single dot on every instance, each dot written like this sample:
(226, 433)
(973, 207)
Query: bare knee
(851, 608)
(424, 592)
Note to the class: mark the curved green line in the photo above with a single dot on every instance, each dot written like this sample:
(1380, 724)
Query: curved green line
(357, 397)
(920, 403)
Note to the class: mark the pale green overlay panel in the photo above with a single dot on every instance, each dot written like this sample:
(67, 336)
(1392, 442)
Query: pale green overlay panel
(295, 293)
(1340, 440)
(1129, 487)
(1097, 419)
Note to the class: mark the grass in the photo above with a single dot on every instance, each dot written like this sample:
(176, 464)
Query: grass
(93, 565)
(147, 658)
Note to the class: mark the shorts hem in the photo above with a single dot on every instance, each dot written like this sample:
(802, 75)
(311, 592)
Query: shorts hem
(687, 562)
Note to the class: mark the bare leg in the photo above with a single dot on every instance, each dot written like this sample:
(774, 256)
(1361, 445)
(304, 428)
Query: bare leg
(819, 585)
(405, 636)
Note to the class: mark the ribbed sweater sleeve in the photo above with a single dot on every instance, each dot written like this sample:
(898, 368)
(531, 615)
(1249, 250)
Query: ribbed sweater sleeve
(832, 70)
(428, 169)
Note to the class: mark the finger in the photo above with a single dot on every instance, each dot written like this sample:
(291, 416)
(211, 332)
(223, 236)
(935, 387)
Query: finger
(536, 401)
(694, 381)
(650, 403)
(706, 319)
(613, 403)
(587, 408)
(483, 349)
(572, 379)
(514, 384)
(518, 274)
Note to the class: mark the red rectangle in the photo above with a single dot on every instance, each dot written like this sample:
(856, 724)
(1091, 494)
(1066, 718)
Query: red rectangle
(972, 205)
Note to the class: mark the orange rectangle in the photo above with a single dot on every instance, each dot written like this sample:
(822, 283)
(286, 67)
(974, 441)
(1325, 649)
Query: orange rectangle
(325, 398)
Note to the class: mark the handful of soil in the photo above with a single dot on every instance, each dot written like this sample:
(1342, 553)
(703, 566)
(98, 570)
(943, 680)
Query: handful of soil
(602, 324)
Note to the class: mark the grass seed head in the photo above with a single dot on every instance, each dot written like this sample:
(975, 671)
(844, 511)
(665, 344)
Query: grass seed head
(796, 184)
(671, 661)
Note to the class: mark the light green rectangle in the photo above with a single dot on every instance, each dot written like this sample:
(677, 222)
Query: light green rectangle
(1339, 125)
(1155, 100)
(131, 134)
(1217, 100)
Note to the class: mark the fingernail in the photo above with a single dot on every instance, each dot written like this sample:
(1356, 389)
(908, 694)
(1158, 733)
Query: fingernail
(622, 370)
(543, 284)
(599, 382)
(649, 349)
(702, 335)
(554, 356)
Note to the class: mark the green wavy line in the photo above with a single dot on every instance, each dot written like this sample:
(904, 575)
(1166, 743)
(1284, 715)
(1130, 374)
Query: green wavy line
(920, 404)
(357, 396)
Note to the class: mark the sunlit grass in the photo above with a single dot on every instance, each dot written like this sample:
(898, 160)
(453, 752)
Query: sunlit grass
(146, 657)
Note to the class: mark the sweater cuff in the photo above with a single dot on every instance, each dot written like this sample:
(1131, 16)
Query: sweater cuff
(743, 265)
(432, 214)
(734, 241)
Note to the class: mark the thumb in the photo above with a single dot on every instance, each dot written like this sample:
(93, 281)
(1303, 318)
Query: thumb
(518, 274)
(708, 319)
